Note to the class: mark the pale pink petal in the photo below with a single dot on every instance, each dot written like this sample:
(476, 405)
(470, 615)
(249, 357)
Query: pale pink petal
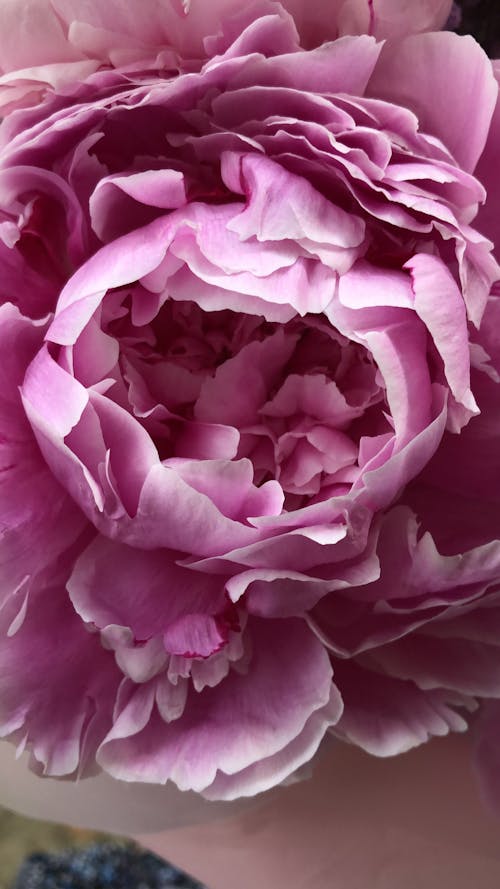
(306, 216)
(439, 303)
(448, 82)
(277, 768)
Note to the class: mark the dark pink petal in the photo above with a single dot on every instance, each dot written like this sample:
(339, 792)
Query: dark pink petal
(120, 203)
(195, 635)
(387, 716)
(463, 665)
(487, 219)
(366, 285)
(38, 522)
(251, 296)
(385, 478)
(400, 353)
(168, 511)
(253, 371)
(207, 441)
(61, 729)
(301, 547)
(229, 486)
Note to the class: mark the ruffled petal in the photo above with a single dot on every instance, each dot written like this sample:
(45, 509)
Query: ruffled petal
(250, 719)
(448, 82)
(387, 716)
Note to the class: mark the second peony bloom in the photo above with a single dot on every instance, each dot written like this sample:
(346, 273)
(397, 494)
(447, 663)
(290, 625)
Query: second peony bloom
(241, 303)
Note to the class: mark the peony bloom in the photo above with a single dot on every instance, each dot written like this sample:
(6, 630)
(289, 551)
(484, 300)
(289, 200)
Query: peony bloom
(249, 406)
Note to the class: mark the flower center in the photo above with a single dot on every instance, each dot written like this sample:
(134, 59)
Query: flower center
(298, 400)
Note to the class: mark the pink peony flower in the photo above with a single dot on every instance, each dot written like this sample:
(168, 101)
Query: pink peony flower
(249, 406)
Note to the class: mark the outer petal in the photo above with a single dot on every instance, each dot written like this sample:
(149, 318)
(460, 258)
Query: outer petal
(488, 220)
(448, 82)
(50, 699)
(463, 665)
(387, 716)
(270, 771)
(246, 719)
(37, 520)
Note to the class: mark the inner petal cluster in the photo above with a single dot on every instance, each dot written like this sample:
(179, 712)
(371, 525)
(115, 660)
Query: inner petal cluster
(299, 400)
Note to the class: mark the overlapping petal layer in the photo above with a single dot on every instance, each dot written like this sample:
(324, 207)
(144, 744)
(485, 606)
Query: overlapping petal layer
(48, 44)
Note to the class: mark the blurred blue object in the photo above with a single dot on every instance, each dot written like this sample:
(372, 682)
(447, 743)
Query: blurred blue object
(101, 866)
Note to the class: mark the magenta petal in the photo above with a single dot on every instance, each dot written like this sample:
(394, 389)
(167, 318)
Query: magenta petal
(195, 635)
(239, 387)
(173, 514)
(132, 453)
(275, 593)
(241, 501)
(400, 353)
(382, 483)
(207, 441)
(119, 263)
(57, 403)
(228, 485)
(366, 285)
